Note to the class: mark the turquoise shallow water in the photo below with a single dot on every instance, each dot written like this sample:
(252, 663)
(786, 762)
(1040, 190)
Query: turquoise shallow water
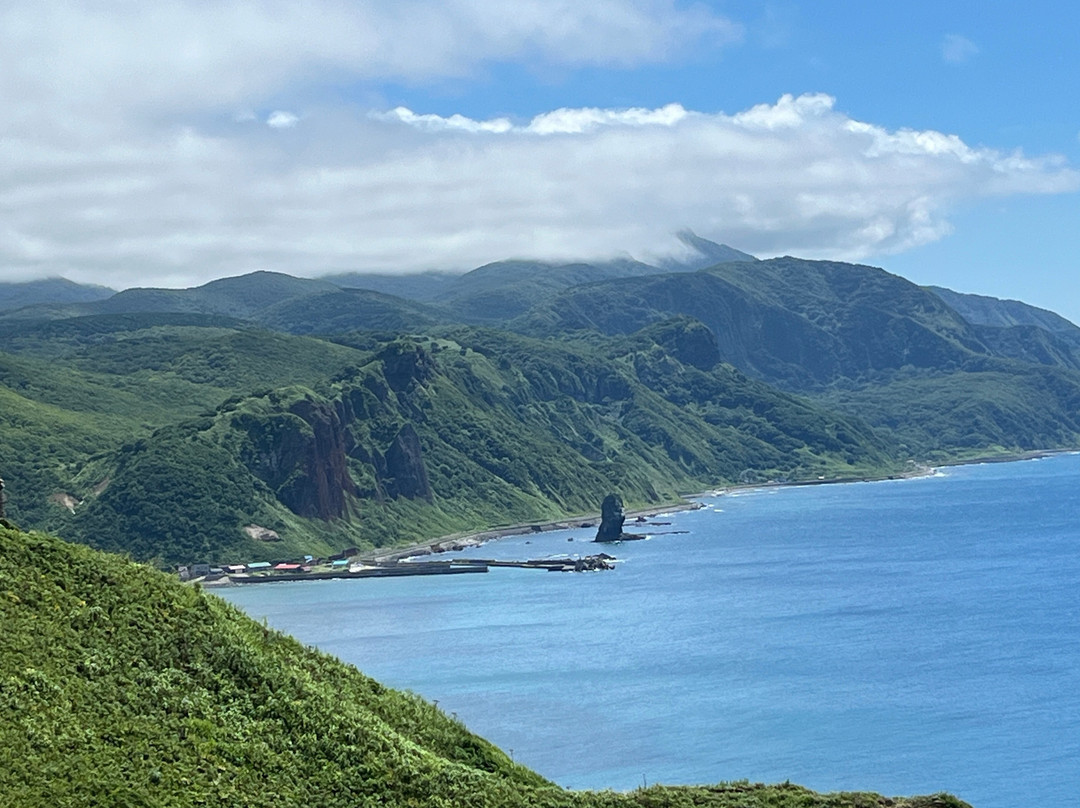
(903, 637)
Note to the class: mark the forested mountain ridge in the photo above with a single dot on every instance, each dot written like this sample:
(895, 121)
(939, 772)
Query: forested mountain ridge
(165, 427)
(985, 310)
(420, 436)
(50, 291)
(267, 299)
(491, 293)
(801, 324)
(862, 340)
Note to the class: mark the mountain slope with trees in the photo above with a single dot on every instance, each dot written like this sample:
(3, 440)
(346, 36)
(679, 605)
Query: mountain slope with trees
(861, 340)
(415, 437)
(170, 424)
(985, 310)
(50, 291)
(800, 324)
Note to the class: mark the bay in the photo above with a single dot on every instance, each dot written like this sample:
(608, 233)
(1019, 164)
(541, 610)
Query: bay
(903, 637)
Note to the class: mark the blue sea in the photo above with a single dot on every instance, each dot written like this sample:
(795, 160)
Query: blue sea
(903, 637)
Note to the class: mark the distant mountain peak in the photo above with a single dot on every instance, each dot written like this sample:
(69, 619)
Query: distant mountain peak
(992, 311)
(703, 253)
(57, 291)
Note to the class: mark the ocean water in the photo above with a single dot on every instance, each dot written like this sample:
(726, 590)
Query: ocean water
(903, 637)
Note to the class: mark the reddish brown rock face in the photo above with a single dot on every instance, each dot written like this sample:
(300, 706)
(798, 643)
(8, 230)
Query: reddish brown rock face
(320, 489)
(302, 455)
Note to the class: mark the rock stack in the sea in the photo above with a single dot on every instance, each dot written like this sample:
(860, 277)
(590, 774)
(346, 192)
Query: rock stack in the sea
(611, 521)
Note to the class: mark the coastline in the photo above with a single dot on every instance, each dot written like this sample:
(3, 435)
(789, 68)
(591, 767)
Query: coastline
(688, 502)
(385, 563)
(384, 559)
(1015, 457)
(460, 541)
(788, 541)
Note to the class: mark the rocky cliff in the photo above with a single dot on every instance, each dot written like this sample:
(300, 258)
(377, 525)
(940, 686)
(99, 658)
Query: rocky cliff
(403, 473)
(301, 454)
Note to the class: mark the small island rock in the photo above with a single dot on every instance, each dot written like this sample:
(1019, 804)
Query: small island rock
(611, 521)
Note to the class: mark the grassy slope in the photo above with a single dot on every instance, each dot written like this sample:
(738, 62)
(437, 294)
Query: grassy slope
(82, 388)
(120, 687)
(148, 421)
(972, 413)
(41, 446)
(512, 430)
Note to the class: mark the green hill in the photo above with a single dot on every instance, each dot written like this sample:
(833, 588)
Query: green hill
(859, 340)
(800, 324)
(121, 687)
(78, 389)
(423, 436)
(49, 290)
(497, 292)
(166, 432)
(985, 310)
(493, 293)
(268, 299)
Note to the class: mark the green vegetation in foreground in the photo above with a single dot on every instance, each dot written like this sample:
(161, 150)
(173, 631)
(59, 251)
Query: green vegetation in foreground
(121, 687)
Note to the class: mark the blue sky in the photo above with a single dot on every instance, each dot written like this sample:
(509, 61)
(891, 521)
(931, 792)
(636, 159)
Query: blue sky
(174, 142)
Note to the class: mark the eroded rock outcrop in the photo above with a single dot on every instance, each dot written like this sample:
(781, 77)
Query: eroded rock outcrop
(404, 473)
(405, 363)
(302, 456)
(611, 519)
(322, 487)
(260, 533)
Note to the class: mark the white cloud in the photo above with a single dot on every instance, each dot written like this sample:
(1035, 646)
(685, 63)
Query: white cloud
(559, 121)
(435, 123)
(568, 121)
(405, 191)
(134, 155)
(280, 119)
(958, 49)
(173, 56)
(787, 113)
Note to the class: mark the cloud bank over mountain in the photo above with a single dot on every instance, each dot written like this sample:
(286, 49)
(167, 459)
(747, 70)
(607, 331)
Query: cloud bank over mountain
(172, 143)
